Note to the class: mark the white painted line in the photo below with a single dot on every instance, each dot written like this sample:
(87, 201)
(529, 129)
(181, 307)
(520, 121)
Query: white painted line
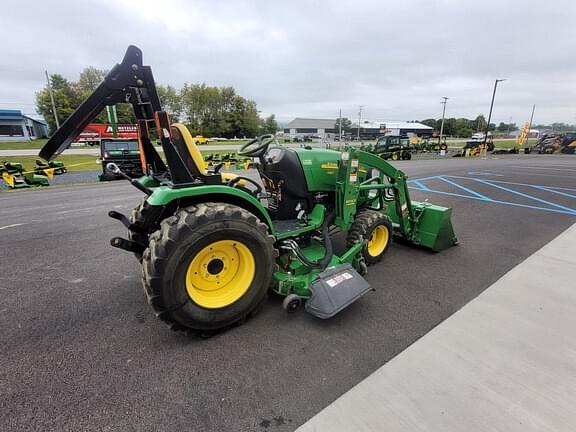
(504, 362)
(10, 226)
(542, 168)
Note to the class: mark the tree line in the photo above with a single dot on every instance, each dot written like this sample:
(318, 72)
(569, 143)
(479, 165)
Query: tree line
(205, 110)
(463, 127)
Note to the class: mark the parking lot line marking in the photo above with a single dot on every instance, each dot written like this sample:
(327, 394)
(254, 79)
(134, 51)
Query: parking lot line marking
(547, 189)
(10, 226)
(514, 183)
(493, 201)
(542, 168)
(470, 191)
(419, 184)
(573, 210)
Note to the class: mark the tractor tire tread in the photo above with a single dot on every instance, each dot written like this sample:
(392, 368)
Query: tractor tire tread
(365, 219)
(163, 241)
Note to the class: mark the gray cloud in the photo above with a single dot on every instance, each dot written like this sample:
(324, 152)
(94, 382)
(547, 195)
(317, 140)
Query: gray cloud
(311, 58)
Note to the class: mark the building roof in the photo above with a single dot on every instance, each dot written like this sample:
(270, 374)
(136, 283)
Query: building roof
(311, 123)
(10, 114)
(391, 124)
(42, 122)
(16, 115)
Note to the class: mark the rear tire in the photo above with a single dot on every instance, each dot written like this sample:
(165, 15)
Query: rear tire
(141, 217)
(192, 250)
(376, 228)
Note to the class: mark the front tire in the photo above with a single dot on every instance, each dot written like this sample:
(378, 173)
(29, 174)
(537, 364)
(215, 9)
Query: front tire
(374, 227)
(208, 267)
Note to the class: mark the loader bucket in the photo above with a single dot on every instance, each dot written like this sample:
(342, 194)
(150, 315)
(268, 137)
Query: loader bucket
(433, 228)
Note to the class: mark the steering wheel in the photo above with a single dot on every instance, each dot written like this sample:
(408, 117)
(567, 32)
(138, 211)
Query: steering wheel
(257, 147)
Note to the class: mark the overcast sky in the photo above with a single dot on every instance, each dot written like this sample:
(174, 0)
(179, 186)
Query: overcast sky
(311, 58)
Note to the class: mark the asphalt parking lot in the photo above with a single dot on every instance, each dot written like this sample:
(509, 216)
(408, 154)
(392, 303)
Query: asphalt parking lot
(81, 349)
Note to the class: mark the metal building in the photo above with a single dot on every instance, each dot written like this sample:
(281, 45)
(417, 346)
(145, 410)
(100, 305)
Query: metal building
(15, 126)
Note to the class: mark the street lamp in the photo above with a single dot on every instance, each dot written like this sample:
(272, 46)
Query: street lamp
(490, 113)
(444, 99)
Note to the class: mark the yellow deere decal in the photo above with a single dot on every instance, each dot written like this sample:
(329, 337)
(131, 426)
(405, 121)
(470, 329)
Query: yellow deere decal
(350, 202)
(329, 165)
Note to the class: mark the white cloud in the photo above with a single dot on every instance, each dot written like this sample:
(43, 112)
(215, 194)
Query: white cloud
(311, 58)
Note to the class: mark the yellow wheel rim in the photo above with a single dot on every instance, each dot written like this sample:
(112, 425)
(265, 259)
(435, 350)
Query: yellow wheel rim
(378, 240)
(220, 274)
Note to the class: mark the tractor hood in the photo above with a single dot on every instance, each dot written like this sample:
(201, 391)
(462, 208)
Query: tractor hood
(116, 87)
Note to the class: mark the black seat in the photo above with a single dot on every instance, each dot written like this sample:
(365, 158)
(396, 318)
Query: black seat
(287, 175)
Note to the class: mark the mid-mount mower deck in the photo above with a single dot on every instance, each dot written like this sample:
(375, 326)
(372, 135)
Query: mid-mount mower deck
(212, 244)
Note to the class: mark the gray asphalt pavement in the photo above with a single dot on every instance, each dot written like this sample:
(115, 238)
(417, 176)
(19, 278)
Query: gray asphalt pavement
(81, 349)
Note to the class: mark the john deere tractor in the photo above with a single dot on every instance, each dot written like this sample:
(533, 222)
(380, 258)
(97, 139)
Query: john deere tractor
(212, 244)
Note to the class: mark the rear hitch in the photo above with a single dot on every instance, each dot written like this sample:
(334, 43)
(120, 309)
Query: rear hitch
(127, 245)
(126, 222)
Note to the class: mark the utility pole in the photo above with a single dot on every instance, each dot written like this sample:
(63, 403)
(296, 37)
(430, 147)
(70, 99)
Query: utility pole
(340, 127)
(530, 125)
(444, 99)
(509, 126)
(359, 120)
(490, 113)
(52, 99)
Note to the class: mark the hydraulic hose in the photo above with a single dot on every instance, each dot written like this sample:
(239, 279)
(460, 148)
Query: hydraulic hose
(329, 252)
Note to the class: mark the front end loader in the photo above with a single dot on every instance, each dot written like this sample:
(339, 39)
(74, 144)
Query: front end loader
(212, 244)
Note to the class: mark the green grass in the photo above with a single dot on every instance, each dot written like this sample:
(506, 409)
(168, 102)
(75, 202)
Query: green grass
(18, 145)
(39, 143)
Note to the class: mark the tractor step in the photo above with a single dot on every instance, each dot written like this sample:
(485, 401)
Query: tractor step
(335, 289)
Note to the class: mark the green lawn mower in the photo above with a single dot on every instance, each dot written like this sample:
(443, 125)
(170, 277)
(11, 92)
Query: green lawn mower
(16, 177)
(212, 244)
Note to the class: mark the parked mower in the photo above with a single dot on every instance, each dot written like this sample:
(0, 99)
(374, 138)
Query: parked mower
(57, 167)
(15, 176)
(212, 244)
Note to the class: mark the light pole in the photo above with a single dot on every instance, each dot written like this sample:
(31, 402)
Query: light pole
(444, 99)
(490, 113)
(359, 120)
(340, 127)
(52, 100)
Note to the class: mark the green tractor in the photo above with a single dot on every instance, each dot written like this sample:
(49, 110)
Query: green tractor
(212, 244)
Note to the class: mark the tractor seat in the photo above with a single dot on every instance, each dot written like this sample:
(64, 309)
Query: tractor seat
(186, 147)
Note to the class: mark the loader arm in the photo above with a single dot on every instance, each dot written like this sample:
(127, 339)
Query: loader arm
(420, 223)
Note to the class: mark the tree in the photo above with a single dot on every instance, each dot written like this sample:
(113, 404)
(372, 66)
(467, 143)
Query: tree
(430, 122)
(269, 125)
(346, 124)
(171, 101)
(69, 95)
(206, 110)
(66, 100)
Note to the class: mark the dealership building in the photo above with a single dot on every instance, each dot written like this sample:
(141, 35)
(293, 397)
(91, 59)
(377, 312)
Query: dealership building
(15, 126)
(324, 128)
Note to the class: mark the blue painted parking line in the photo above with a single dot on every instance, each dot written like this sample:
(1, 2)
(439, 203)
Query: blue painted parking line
(470, 193)
(530, 197)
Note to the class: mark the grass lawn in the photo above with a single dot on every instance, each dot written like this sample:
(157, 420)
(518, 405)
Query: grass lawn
(39, 143)
(16, 145)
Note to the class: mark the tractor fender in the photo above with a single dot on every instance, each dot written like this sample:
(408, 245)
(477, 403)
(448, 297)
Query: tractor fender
(188, 196)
